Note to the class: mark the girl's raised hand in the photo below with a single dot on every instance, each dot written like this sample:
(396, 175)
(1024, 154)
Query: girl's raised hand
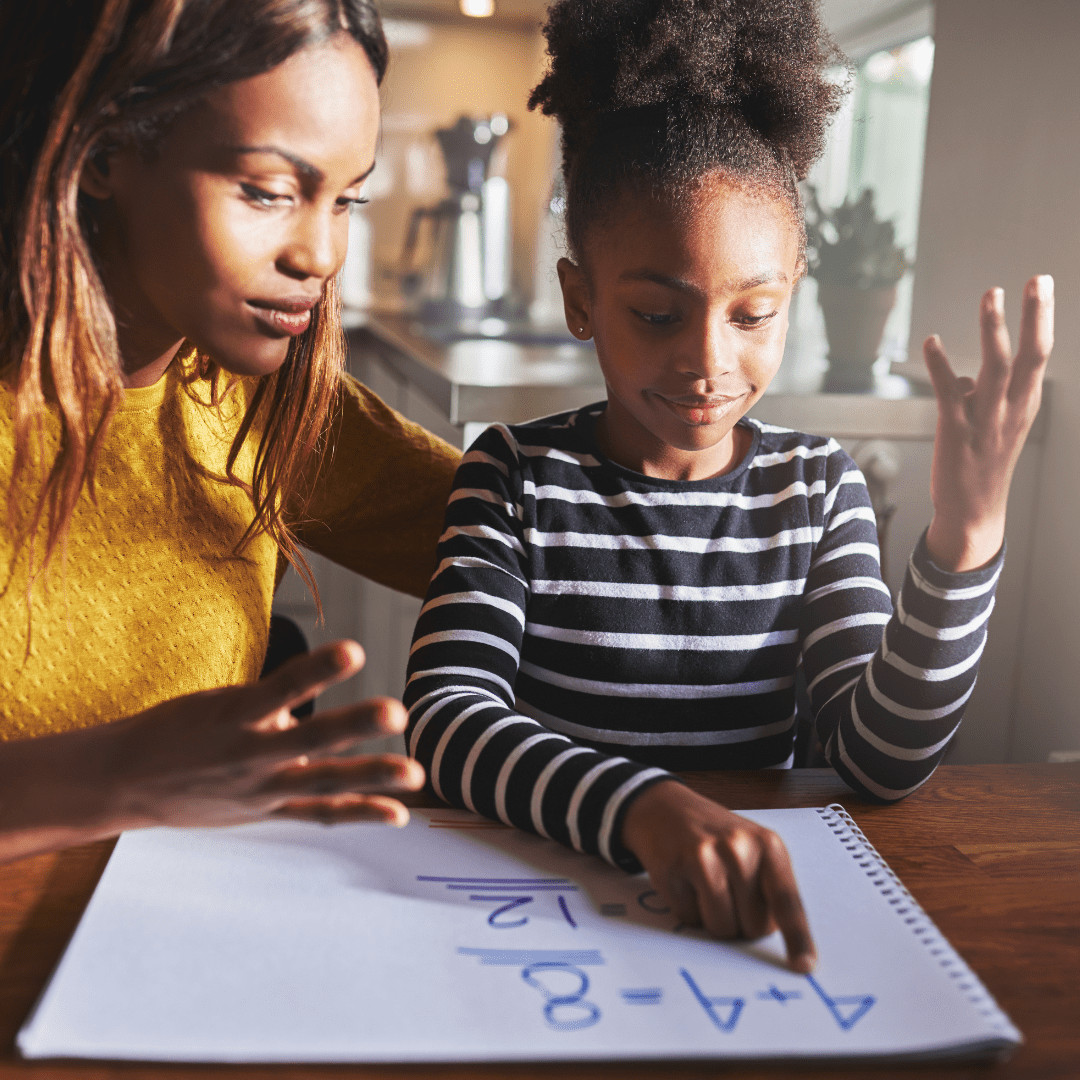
(982, 425)
(220, 757)
(716, 869)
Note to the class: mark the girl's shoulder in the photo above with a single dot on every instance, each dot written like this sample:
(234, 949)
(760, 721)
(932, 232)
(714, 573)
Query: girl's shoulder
(560, 440)
(782, 450)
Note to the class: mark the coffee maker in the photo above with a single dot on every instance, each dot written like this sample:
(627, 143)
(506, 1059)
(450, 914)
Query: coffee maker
(460, 270)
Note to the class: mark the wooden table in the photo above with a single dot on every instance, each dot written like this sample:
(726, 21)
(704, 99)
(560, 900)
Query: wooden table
(992, 852)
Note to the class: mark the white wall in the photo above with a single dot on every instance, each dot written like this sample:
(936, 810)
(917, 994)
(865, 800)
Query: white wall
(1001, 201)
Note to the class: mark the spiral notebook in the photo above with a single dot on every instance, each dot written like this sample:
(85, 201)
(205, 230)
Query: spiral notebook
(457, 939)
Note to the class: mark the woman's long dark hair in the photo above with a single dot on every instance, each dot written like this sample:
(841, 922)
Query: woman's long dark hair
(79, 76)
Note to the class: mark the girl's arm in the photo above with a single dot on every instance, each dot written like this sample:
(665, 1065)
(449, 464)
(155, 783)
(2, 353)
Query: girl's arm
(222, 757)
(887, 689)
(480, 751)
(886, 727)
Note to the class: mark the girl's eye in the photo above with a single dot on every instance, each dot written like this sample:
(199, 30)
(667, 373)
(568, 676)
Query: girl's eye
(655, 318)
(752, 321)
(260, 197)
(345, 203)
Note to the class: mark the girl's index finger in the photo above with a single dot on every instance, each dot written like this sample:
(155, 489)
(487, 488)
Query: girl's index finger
(782, 898)
(1036, 334)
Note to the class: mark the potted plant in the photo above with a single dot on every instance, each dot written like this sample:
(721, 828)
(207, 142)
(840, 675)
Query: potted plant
(857, 263)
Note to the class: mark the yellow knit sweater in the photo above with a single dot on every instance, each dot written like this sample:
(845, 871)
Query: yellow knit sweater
(151, 602)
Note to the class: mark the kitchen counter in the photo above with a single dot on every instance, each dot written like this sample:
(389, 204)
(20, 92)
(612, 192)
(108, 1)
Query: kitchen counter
(487, 380)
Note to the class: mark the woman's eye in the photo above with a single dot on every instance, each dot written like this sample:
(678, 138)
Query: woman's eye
(261, 197)
(347, 203)
(655, 318)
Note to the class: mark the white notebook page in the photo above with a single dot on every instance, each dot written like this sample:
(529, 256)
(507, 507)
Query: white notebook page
(454, 939)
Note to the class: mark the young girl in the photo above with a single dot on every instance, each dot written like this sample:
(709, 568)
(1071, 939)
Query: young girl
(631, 588)
(175, 183)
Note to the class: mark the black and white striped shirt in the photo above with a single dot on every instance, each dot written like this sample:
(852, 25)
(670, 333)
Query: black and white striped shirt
(589, 628)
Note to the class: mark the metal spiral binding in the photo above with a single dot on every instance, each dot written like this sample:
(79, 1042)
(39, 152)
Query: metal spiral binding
(922, 926)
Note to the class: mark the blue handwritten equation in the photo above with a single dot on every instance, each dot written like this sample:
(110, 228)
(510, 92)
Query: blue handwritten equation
(510, 894)
(559, 977)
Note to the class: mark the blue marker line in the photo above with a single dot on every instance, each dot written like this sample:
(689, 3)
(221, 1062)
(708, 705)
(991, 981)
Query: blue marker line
(515, 888)
(709, 1004)
(864, 1001)
(525, 957)
(566, 912)
(515, 901)
(498, 880)
(775, 993)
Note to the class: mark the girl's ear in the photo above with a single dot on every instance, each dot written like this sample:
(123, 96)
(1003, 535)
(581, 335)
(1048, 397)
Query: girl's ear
(575, 292)
(802, 269)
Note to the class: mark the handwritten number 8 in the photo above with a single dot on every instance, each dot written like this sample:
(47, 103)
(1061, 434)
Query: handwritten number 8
(556, 1002)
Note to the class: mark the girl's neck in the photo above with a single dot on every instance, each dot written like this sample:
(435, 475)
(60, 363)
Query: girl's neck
(664, 462)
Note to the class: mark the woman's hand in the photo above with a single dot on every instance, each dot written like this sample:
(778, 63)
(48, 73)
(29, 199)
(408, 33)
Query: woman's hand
(982, 425)
(717, 869)
(221, 757)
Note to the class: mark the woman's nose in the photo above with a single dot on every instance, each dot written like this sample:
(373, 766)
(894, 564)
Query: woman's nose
(316, 247)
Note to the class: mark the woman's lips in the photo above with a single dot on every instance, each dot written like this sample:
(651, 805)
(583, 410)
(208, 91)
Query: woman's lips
(292, 317)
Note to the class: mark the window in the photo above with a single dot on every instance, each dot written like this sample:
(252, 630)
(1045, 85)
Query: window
(877, 140)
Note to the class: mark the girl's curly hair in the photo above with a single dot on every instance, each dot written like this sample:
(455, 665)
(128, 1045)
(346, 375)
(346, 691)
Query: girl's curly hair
(660, 92)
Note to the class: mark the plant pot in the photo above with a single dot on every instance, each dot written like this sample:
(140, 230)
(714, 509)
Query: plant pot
(854, 324)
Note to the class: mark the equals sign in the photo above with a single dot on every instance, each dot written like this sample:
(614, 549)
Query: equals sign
(648, 995)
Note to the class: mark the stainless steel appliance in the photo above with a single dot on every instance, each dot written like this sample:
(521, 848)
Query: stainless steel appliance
(456, 257)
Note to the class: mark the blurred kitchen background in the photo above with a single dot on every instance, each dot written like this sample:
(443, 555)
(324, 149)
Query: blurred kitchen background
(963, 122)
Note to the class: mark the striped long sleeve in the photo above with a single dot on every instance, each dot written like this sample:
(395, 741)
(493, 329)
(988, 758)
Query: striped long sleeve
(588, 629)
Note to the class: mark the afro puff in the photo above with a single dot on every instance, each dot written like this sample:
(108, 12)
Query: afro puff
(664, 91)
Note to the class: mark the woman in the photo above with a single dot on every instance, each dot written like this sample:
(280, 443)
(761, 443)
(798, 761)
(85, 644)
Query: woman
(174, 421)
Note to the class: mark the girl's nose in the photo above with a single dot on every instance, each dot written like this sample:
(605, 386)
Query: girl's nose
(317, 246)
(713, 356)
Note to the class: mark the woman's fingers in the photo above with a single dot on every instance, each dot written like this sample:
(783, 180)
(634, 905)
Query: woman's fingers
(1036, 336)
(361, 776)
(327, 732)
(301, 678)
(339, 809)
